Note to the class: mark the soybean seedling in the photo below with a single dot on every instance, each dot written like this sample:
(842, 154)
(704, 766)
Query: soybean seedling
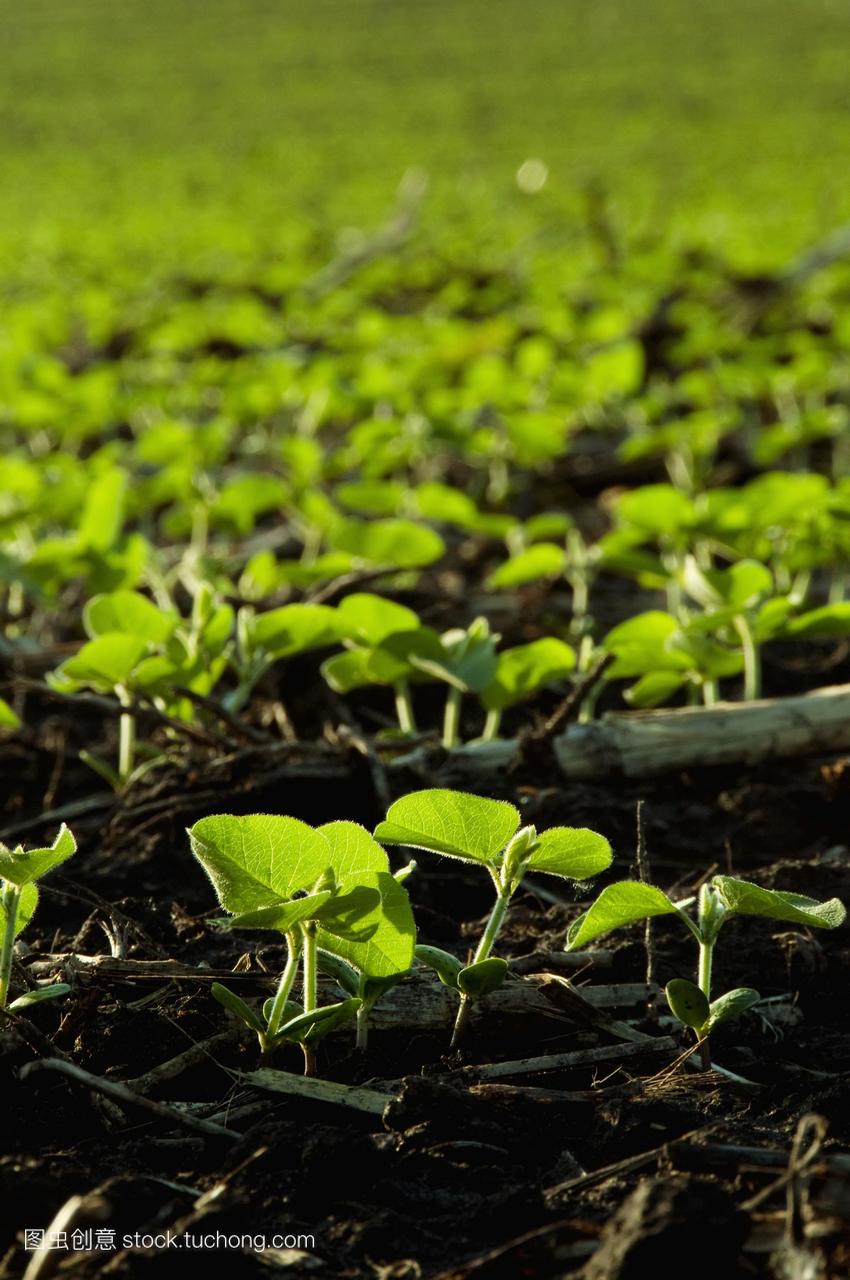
(19, 871)
(476, 829)
(279, 873)
(718, 900)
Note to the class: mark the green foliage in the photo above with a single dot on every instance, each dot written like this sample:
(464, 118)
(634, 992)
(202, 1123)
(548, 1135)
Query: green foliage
(19, 870)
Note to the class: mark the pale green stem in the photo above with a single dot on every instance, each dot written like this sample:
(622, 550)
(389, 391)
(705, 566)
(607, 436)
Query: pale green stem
(706, 957)
(492, 725)
(404, 707)
(362, 1040)
(451, 719)
(310, 988)
(485, 946)
(752, 664)
(11, 899)
(126, 736)
(284, 987)
(709, 692)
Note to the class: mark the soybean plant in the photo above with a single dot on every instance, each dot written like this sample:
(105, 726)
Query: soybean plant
(476, 829)
(718, 900)
(19, 871)
(313, 885)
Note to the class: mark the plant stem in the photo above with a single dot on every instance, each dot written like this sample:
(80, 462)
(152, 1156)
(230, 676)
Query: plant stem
(310, 988)
(126, 736)
(362, 1040)
(492, 725)
(485, 946)
(284, 987)
(752, 663)
(451, 719)
(11, 898)
(706, 956)
(404, 707)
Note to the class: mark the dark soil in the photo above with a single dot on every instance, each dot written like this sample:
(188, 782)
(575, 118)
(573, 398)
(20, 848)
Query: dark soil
(452, 1180)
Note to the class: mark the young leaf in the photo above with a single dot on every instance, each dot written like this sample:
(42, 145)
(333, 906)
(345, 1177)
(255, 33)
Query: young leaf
(654, 688)
(39, 996)
(520, 672)
(294, 628)
(534, 564)
(688, 1003)
(828, 622)
(482, 978)
(235, 1004)
(618, 904)
(751, 900)
(731, 1005)
(258, 860)
(387, 950)
(104, 663)
(340, 970)
(369, 619)
(281, 916)
(573, 852)
(353, 849)
(23, 867)
(345, 914)
(455, 823)
(129, 612)
(27, 903)
(398, 544)
(8, 718)
(445, 965)
(309, 1028)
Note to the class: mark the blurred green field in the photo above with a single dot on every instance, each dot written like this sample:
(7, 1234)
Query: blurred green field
(177, 125)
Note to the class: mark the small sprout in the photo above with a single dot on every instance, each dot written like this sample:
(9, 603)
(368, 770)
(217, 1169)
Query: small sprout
(476, 829)
(19, 871)
(722, 897)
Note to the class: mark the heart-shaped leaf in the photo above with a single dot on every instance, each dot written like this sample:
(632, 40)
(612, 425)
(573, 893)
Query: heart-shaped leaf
(573, 852)
(258, 860)
(520, 672)
(618, 904)
(454, 823)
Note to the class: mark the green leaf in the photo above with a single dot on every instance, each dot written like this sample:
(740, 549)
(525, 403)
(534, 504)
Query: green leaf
(480, 979)
(398, 544)
(618, 904)
(8, 718)
(829, 622)
(751, 900)
(388, 951)
(21, 867)
(573, 852)
(309, 1028)
(534, 564)
(294, 628)
(654, 688)
(520, 672)
(445, 965)
(468, 658)
(282, 916)
(340, 970)
(353, 849)
(104, 663)
(453, 823)
(27, 903)
(235, 1004)
(350, 915)
(103, 512)
(129, 612)
(30, 998)
(658, 509)
(369, 619)
(257, 860)
(688, 1003)
(731, 1005)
